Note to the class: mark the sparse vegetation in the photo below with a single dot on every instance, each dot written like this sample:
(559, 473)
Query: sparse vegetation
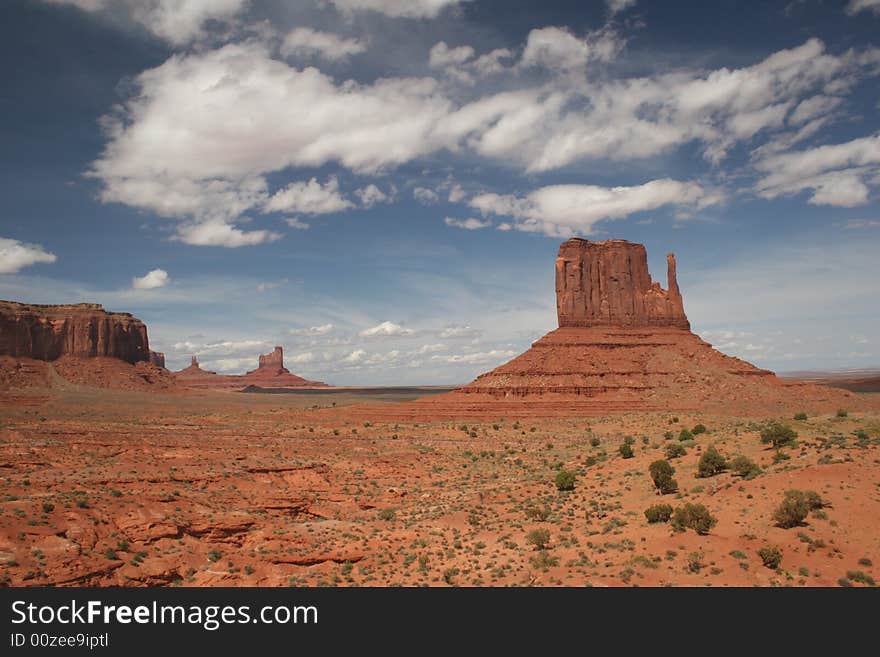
(693, 516)
(771, 556)
(658, 513)
(800, 416)
(565, 480)
(795, 506)
(778, 435)
(698, 429)
(539, 538)
(711, 463)
(626, 451)
(684, 435)
(745, 467)
(661, 475)
(674, 450)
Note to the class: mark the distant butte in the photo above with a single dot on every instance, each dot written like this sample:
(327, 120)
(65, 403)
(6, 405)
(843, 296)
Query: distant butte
(270, 373)
(623, 344)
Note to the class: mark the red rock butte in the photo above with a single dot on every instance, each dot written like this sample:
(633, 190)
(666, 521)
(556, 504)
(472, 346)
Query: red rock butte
(270, 374)
(623, 344)
(83, 330)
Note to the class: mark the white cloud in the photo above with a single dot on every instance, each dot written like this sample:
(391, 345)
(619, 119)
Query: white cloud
(305, 42)
(565, 210)
(456, 193)
(151, 280)
(441, 55)
(371, 195)
(425, 196)
(15, 255)
(219, 233)
(477, 358)
(834, 173)
(270, 285)
(355, 356)
(556, 48)
(468, 224)
(312, 331)
(813, 107)
(615, 6)
(301, 358)
(296, 223)
(177, 21)
(398, 8)
(309, 198)
(455, 331)
(855, 6)
(387, 330)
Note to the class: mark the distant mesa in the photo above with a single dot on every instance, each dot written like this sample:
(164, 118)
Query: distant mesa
(623, 343)
(83, 343)
(270, 373)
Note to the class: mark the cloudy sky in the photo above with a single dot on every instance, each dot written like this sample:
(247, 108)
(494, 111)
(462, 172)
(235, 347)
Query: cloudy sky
(380, 186)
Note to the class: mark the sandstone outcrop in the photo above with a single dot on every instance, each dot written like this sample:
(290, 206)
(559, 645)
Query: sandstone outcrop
(157, 358)
(270, 373)
(83, 330)
(607, 284)
(623, 343)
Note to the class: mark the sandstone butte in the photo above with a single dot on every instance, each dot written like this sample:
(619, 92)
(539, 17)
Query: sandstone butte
(623, 344)
(270, 374)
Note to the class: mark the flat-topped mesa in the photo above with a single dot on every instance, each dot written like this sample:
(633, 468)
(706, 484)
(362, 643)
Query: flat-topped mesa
(83, 330)
(608, 284)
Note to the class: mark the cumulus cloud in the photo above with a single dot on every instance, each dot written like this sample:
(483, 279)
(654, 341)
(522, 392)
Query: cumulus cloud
(306, 42)
(834, 173)
(476, 358)
(387, 330)
(615, 6)
(371, 195)
(556, 48)
(856, 6)
(468, 224)
(455, 331)
(15, 255)
(219, 233)
(398, 8)
(425, 196)
(296, 223)
(441, 55)
(565, 210)
(313, 331)
(309, 198)
(151, 280)
(177, 21)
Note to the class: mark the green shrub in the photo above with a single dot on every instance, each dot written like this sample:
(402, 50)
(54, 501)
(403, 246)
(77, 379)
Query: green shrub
(629, 440)
(48, 507)
(711, 463)
(539, 538)
(668, 435)
(387, 514)
(771, 556)
(685, 435)
(860, 576)
(842, 412)
(745, 467)
(658, 513)
(626, 451)
(595, 442)
(792, 510)
(693, 516)
(565, 480)
(674, 450)
(800, 416)
(661, 474)
(698, 429)
(778, 435)
(540, 513)
(814, 500)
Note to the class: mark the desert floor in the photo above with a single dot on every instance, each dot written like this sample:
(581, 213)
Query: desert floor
(103, 487)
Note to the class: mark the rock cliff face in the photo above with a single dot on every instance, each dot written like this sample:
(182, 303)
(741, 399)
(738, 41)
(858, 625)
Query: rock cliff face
(157, 358)
(607, 284)
(84, 330)
(623, 343)
(273, 360)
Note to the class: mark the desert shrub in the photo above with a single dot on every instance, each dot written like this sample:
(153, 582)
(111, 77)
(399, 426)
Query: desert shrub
(711, 463)
(685, 435)
(540, 513)
(800, 416)
(814, 500)
(668, 435)
(698, 429)
(779, 457)
(792, 510)
(595, 442)
(661, 474)
(539, 538)
(745, 467)
(629, 440)
(693, 516)
(658, 513)
(771, 556)
(694, 562)
(544, 561)
(386, 514)
(842, 412)
(860, 576)
(565, 480)
(48, 507)
(674, 450)
(626, 451)
(778, 435)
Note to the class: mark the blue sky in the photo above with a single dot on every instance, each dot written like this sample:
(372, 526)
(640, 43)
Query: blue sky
(380, 186)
